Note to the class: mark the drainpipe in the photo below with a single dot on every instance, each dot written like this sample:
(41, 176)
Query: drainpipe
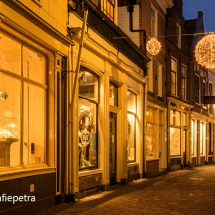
(72, 161)
(130, 10)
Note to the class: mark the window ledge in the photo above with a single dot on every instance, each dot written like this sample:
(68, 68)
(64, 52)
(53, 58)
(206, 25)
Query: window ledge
(132, 164)
(89, 172)
(152, 159)
(10, 173)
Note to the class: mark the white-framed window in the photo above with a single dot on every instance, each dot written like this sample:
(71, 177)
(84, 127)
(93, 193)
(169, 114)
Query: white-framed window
(153, 21)
(131, 117)
(108, 8)
(173, 76)
(23, 103)
(178, 33)
(150, 76)
(159, 79)
(183, 82)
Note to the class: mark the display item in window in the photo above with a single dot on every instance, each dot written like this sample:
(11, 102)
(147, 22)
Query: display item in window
(85, 135)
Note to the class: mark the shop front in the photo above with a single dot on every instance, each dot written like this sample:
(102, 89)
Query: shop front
(179, 134)
(29, 65)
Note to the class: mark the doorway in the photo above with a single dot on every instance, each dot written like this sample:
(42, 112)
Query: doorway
(113, 144)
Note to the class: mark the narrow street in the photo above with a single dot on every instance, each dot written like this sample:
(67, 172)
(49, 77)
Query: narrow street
(188, 191)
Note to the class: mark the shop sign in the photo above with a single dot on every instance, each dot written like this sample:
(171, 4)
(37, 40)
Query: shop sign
(209, 99)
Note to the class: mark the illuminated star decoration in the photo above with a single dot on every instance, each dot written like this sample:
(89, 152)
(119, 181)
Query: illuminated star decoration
(153, 46)
(205, 51)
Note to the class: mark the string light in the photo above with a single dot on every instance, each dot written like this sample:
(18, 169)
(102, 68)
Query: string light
(205, 51)
(153, 46)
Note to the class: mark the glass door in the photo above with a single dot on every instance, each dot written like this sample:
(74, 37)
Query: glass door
(113, 124)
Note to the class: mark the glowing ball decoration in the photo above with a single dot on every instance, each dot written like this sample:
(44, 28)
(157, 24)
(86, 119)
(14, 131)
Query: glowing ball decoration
(205, 51)
(153, 46)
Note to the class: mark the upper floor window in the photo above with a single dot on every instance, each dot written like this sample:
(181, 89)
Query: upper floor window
(197, 88)
(159, 72)
(203, 90)
(108, 8)
(183, 81)
(178, 32)
(153, 22)
(210, 88)
(173, 76)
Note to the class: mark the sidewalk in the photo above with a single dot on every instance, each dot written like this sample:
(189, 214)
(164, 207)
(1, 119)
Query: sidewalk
(189, 191)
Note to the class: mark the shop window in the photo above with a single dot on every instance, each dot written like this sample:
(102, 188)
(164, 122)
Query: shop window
(88, 119)
(22, 104)
(175, 132)
(173, 76)
(193, 138)
(131, 117)
(151, 131)
(108, 8)
(175, 141)
(184, 119)
(201, 137)
(113, 94)
(209, 139)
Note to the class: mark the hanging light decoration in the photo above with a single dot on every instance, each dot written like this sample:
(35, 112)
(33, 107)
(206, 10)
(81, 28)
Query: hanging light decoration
(153, 46)
(205, 51)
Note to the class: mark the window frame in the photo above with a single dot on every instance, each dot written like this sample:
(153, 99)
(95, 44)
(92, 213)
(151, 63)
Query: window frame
(97, 118)
(173, 72)
(183, 82)
(109, 5)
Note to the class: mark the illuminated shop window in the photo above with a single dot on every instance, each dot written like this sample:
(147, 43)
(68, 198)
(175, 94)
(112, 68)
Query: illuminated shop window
(113, 95)
(22, 104)
(131, 116)
(175, 132)
(87, 119)
(201, 137)
(193, 146)
(151, 133)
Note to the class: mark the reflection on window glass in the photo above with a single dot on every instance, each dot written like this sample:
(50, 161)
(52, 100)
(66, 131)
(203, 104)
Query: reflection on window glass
(113, 95)
(34, 126)
(150, 140)
(87, 133)
(88, 85)
(150, 115)
(131, 102)
(177, 118)
(9, 121)
(33, 65)
(175, 141)
(10, 54)
(131, 137)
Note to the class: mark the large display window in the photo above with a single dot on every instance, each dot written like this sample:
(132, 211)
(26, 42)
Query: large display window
(151, 131)
(22, 104)
(87, 119)
(175, 133)
(131, 117)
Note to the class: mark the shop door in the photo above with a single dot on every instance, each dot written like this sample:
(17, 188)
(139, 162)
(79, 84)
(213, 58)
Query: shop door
(113, 121)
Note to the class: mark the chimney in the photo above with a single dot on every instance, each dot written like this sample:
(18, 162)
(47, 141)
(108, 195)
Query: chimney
(200, 14)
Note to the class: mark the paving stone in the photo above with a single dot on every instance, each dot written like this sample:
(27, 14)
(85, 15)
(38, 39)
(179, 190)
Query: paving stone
(188, 191)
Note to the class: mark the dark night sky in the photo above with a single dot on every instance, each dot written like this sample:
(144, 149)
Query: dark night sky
(191, 8)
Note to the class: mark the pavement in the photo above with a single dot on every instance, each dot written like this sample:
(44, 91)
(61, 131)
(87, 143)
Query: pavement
(187, 191)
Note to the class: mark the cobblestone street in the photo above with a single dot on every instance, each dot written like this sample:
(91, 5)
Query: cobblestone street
(189, 191)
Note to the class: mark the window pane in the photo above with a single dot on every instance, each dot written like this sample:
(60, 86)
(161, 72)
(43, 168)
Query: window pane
(131, 137)
(184, 119)
(34, 124)
(177, 118)
(193, 138)
(171, 116)
(33, 65)
(131, 102)
(9, 121)
(201, 138)
(10, 54)
(173, 83)
(87, 133)
(175, 141)
(151, 146)
(88, 85)
(113, 95)
(150, 115)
